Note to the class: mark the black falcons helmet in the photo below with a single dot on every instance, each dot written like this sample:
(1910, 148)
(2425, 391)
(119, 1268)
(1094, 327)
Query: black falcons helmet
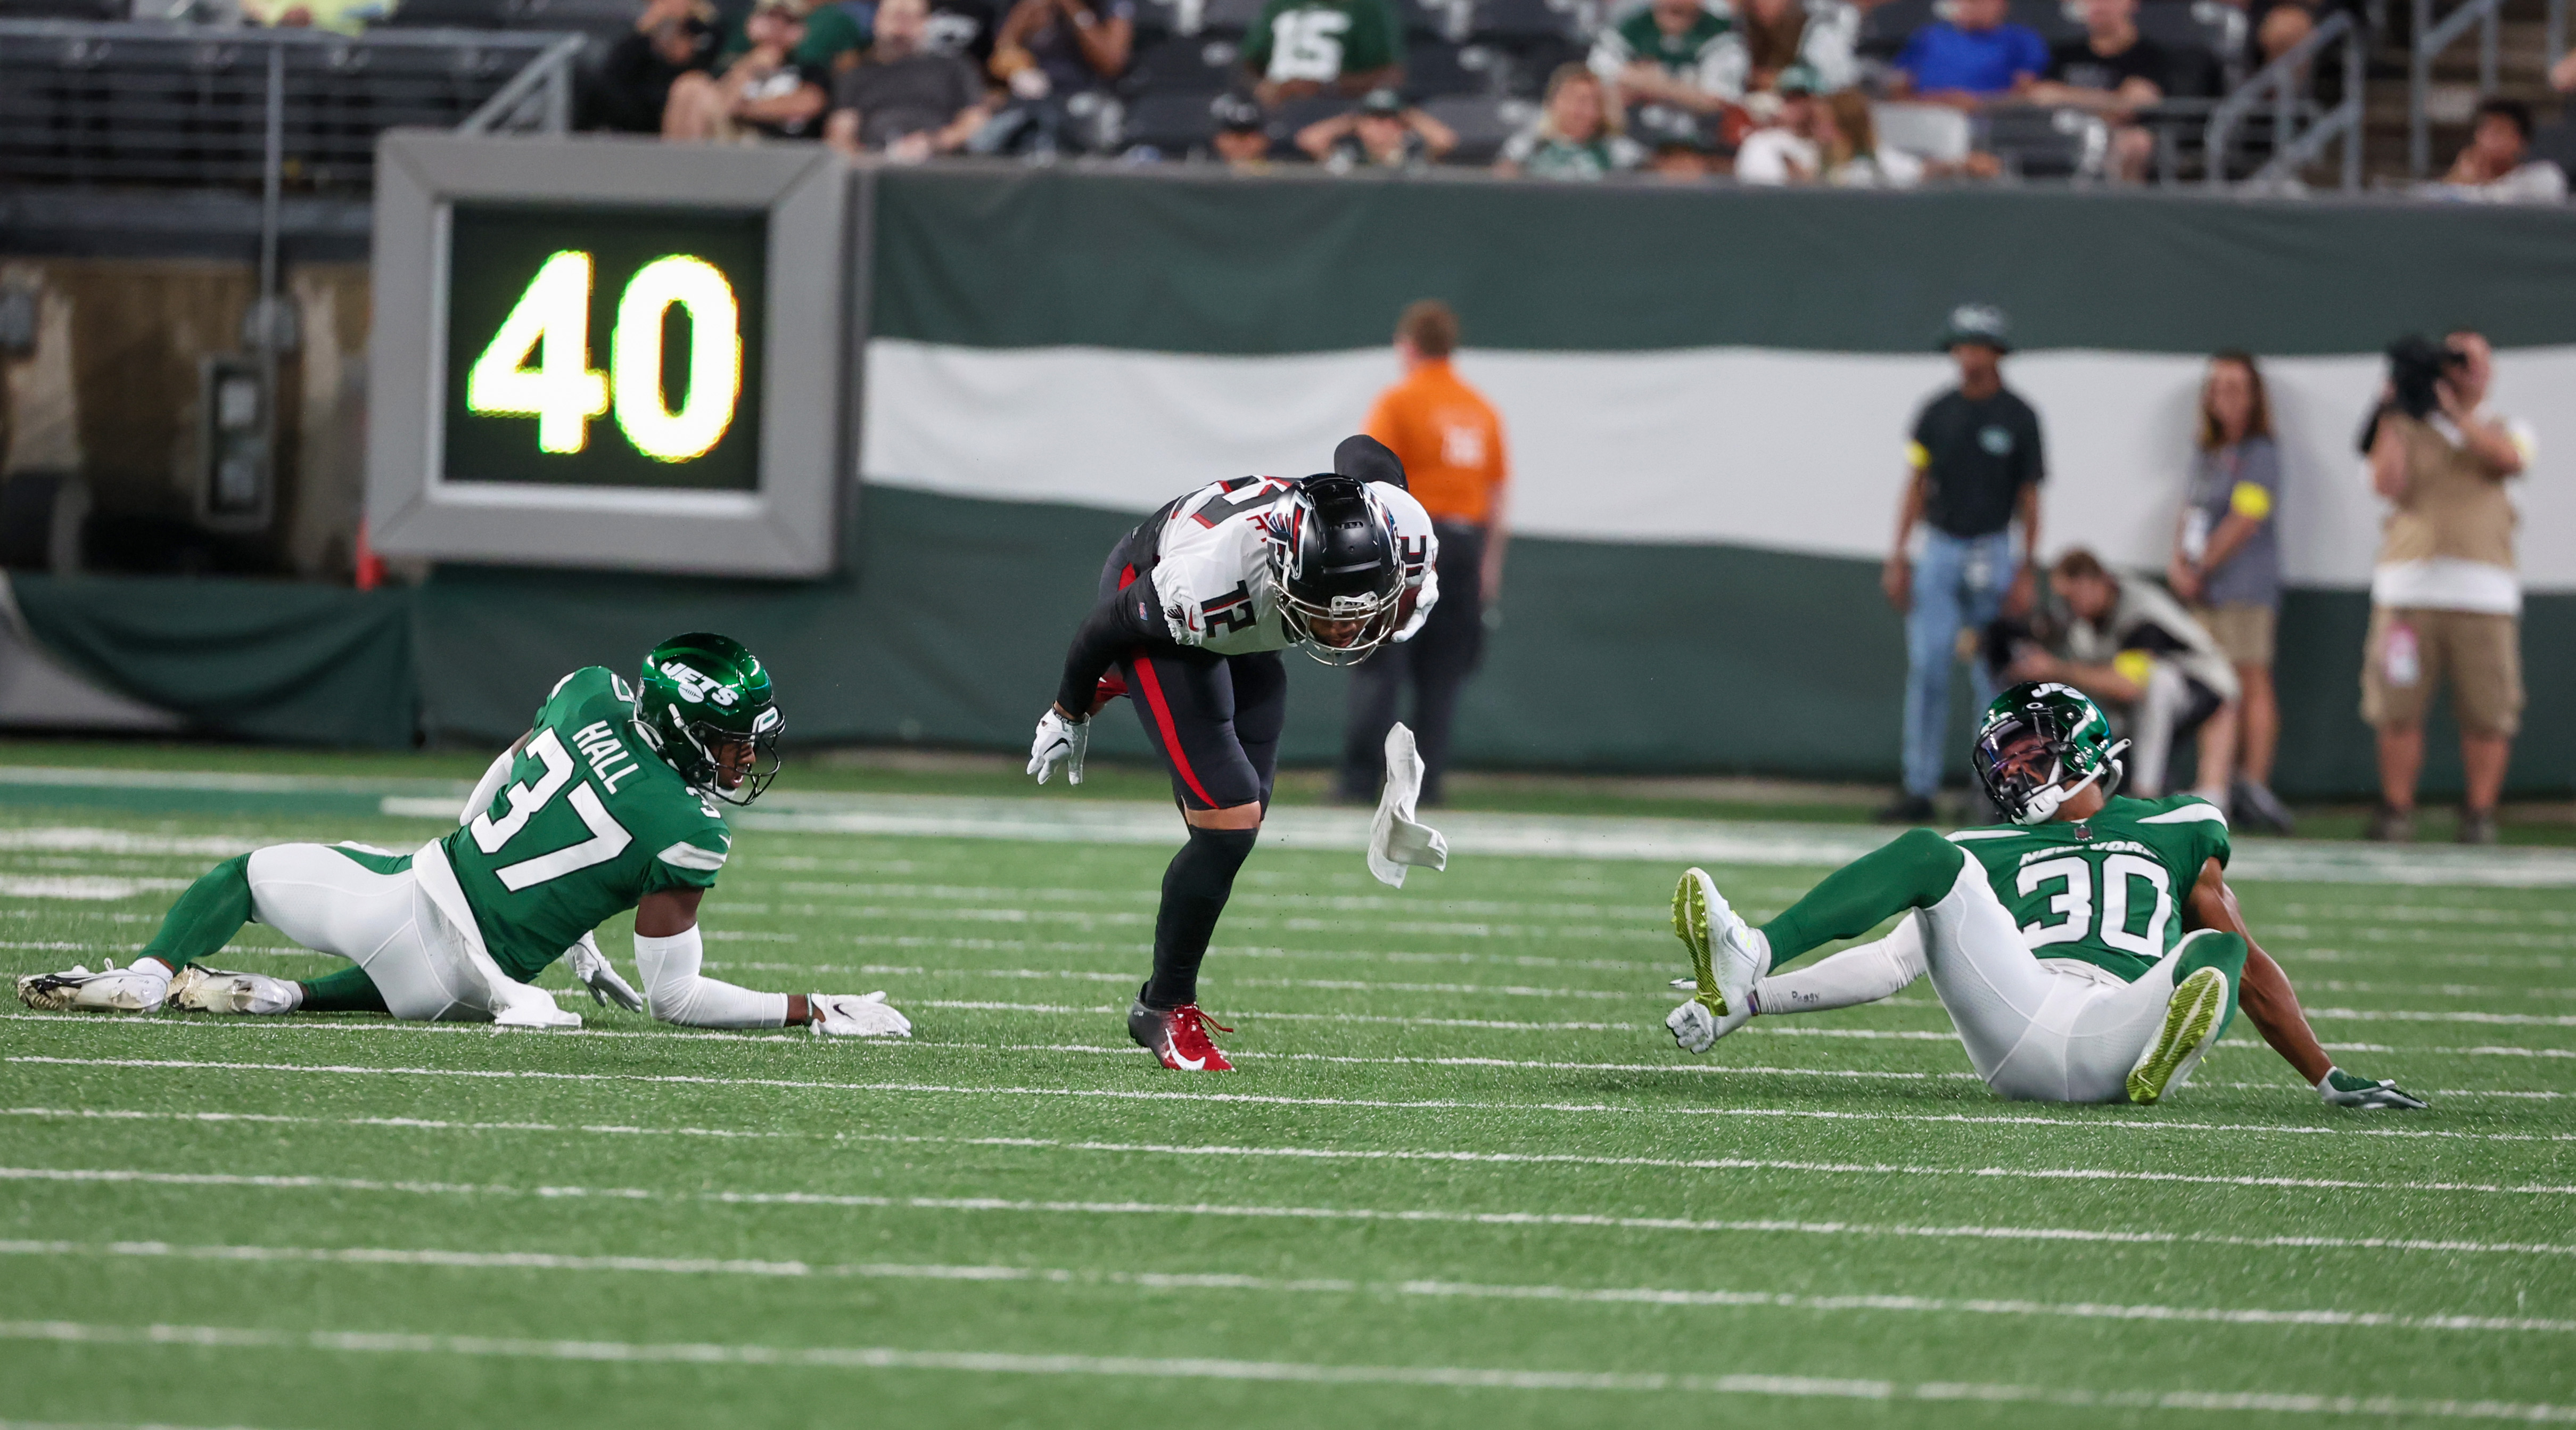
(1338, 563)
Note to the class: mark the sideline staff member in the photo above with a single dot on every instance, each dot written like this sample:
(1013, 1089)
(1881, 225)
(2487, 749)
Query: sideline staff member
(1974, 465)
(2445, 599)
(1451, 445)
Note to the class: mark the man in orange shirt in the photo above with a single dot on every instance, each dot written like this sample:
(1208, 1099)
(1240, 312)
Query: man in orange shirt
(1451, 445)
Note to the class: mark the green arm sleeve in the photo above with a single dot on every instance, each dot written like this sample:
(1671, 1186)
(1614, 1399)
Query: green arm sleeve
(1915, 870)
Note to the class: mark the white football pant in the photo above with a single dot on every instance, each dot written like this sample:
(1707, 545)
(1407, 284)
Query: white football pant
(384, 923)
(2036, 1029)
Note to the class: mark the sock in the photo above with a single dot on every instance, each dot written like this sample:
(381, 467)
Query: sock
(1195, 888)
(2222, 951)
(348, 991)
(1915, 870)
(206, 917)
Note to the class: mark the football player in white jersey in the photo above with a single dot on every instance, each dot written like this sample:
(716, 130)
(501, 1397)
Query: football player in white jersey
(1196, 605)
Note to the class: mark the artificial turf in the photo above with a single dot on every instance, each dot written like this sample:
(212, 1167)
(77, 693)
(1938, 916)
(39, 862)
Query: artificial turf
(1462, 1177)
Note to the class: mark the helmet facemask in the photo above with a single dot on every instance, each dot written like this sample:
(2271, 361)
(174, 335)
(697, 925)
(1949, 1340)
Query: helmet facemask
(2024, 764)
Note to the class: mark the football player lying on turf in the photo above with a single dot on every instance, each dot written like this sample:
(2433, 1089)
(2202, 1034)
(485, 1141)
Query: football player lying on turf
(2058, 946)
(1195, 606)
(607, 804)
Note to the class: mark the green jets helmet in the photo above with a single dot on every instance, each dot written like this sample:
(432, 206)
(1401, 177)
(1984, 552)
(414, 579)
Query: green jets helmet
(2040, 743)
(702, 691)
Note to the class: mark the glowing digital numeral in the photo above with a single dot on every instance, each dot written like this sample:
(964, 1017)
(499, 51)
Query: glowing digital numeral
(563, 392)
(715, 358)
(551, 319)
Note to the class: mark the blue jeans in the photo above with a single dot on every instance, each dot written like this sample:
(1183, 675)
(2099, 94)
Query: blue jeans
(1959, 582)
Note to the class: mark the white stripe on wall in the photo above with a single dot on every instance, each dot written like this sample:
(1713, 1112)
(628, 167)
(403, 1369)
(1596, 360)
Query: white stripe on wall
(1791, 451)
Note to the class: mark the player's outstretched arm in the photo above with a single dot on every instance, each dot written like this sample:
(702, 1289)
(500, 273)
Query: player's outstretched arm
(669, 951)
(1112, 628)
(2273, 1004)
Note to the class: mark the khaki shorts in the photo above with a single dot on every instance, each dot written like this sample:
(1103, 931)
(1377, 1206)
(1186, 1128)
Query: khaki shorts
(2409, 653)
(2243, 631)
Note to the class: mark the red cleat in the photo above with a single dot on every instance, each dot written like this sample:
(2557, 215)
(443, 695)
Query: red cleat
(1178, 1036)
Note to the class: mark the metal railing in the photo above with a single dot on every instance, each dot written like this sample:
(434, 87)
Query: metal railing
(2431, 40)
(2300, 132)
(225, 107)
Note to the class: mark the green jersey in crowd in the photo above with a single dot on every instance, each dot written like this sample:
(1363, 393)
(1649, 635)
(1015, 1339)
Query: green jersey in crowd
(2108, 891)
(1322, 40)
(590, 822)
(1695, 54)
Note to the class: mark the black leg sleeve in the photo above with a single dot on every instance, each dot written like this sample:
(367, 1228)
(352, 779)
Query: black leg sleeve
(1195, 888)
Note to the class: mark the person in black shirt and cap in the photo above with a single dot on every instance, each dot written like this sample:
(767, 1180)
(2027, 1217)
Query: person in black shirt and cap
(1974, 466)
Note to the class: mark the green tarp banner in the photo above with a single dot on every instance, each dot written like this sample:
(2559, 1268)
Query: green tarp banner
(1033, 258)
(248, 660)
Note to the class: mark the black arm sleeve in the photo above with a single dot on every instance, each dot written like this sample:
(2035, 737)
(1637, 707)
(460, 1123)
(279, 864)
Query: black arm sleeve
(1122, 621)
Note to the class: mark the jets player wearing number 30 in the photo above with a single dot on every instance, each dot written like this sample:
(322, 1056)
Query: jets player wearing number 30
(1195, 606)
(608, 803)
(2058, 947)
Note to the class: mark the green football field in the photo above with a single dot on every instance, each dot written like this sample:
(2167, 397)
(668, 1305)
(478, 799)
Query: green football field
(1462, 1178)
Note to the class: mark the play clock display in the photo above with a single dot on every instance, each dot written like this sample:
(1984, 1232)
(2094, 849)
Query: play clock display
(603, 347)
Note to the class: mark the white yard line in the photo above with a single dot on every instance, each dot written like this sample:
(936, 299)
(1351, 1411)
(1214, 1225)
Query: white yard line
(797, 1042)
(771, 1359)
(1596, 1109)
(1575, 1220)
(1238, 1284)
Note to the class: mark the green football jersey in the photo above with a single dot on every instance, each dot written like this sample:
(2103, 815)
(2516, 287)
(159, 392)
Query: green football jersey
(2108, 891)
(590, 822)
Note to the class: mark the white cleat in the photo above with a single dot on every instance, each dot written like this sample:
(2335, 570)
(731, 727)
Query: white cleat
(214, 990)
(138, 989)
(1728, 957)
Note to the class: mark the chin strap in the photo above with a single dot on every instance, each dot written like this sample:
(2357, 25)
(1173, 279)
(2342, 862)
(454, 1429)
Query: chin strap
(2045, 803)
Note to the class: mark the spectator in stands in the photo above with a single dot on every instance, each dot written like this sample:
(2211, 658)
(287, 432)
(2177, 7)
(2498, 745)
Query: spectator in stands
(1451, 444)
(2114, 72)
(832, 37)
(1576, 135)
(1788, 150)
(2445, 602)
(902, 100)
(2497, 167)
(1851, 156)
(341, 17)
(1771, 35)
(1306, 47)
(1677, 144)
(2278, 25)
(1048, 53)
(1383, 133)
(670, 38)
(1969, 60)
(1973, 467)
(2227, 564)
(1668, 52)
(765, 92)
(2133, 648)
(1242, 138)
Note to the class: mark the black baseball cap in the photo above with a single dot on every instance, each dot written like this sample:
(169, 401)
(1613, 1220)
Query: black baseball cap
(1235, 114)
(1384, 103)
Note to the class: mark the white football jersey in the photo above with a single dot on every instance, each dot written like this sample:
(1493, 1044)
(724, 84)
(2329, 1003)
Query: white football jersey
(1212, 568)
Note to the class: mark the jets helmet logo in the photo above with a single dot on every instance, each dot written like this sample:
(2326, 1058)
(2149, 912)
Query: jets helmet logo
(697, 687)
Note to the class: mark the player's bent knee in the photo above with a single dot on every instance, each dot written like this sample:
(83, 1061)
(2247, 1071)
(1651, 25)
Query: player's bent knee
(2211, 948)
(1233, 816)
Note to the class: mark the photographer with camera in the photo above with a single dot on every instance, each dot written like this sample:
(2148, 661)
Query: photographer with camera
(2445, 601)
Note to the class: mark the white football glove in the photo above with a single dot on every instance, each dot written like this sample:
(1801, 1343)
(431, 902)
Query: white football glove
(593, 971)
(846, 1015)
(1059, 742)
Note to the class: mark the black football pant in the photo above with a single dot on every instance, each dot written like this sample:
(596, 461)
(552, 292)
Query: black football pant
(1436, 663)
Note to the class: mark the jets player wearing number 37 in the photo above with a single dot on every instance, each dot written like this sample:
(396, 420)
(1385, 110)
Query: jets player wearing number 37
(1195, 606)
(608, 803)
(2089, 952)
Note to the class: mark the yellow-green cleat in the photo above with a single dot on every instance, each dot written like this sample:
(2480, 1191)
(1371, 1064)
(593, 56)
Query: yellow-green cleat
(1690, 924)
(2192, 1018)
(1728, 957)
